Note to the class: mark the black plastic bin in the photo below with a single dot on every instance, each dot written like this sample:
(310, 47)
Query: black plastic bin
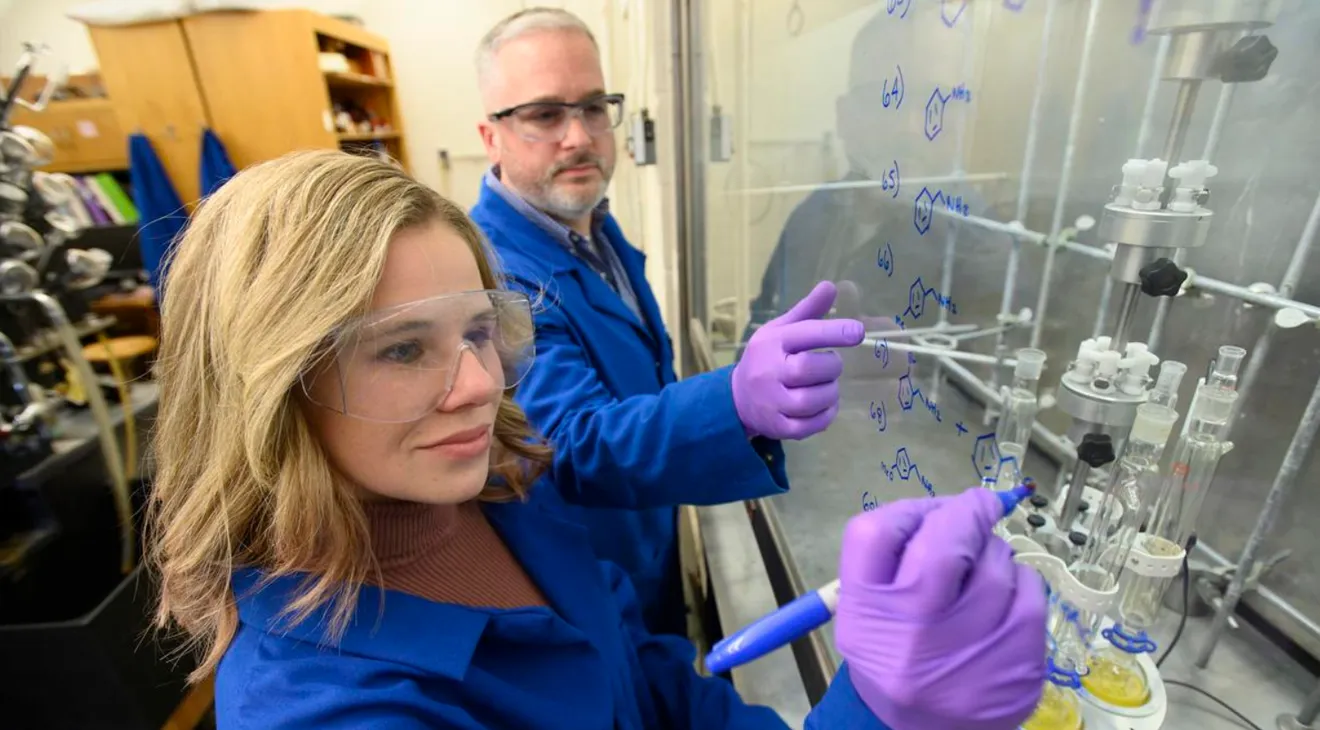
(77, 647)
(105, 669)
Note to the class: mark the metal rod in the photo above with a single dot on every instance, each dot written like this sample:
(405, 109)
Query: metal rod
(1106, 295)
(951, 236)
(1284, 481)
(917, 331)
(1173, 151)
(1068, 511)
(1310, 708)
(1217, 121)
(973, 177)
(1143, 138)
(1127, 309)
(1065, 175)
(1152, 93)
(975, 357)
(1024, 182)
(1183, 106)
(1273, 301)
(1291, 275)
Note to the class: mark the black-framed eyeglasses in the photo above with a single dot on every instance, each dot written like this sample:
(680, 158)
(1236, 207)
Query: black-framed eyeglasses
(548, 121)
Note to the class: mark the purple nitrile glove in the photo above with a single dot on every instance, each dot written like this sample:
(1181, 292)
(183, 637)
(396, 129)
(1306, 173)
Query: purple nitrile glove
(781, 388)
(941, 630)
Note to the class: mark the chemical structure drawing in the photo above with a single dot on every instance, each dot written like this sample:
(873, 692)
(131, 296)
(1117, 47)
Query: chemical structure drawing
(918, 293)
(935, 114)
(884, 258)
(925, 210)
(951, 11)
(987, 461)
(904, 468)
(961, 428)
(985, 456)
(878, 415)
(909, 394)
(924, 207)
(898, 7)
(935, 108)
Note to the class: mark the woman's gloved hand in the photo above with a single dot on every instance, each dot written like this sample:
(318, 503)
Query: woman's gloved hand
(781, 388)
(941, 630)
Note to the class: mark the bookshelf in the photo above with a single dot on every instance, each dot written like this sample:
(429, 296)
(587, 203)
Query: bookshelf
(298, 80)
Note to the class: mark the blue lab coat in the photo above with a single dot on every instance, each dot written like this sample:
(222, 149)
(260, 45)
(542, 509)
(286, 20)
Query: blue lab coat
(584, 663)
(627, 433)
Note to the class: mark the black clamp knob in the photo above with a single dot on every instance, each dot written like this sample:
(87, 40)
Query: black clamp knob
(1039, 501)
(1248, 60)
(1077, 538)
(1096, 449)
(1161, 278)
(1036, 521)
(1083, 506)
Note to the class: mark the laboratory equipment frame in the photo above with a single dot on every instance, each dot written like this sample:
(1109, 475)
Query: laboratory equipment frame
(1178, 59)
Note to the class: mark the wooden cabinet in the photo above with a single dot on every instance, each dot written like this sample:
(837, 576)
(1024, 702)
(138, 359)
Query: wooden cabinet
(254, 78)
(267, 93)
(149, 79)
(86, 132)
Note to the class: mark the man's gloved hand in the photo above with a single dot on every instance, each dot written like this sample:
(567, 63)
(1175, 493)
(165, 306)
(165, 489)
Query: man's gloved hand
(781, 388)
(941, 630)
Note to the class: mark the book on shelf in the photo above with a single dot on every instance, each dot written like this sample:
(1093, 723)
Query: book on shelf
(102, 201)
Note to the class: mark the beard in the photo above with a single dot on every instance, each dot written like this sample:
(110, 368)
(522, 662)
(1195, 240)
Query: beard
(561, 201)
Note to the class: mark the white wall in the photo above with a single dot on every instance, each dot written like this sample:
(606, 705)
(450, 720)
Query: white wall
(43, 21)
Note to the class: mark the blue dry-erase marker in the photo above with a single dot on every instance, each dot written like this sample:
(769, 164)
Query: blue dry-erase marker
(805, 614)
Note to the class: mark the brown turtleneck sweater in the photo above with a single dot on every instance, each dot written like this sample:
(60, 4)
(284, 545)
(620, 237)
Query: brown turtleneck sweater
(447, 553)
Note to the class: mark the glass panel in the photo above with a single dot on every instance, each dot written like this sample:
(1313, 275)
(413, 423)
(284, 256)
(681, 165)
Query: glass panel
(885, 146)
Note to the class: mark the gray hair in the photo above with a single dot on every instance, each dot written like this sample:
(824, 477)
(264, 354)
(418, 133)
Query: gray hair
(519, 24)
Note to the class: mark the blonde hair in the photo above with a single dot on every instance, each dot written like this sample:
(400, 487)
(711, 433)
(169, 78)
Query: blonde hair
(268, 268)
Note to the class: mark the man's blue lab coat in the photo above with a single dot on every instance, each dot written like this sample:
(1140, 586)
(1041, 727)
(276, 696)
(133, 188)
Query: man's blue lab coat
(627, 434)
(406, 663)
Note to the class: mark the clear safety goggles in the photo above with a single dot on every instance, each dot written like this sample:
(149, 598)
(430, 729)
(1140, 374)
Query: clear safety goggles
(396, 365)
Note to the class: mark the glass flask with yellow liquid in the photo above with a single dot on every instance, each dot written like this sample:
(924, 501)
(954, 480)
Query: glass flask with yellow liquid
(1059, 709)
(1116, 678)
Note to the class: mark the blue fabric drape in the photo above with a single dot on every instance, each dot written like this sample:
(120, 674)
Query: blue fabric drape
(216, 167)
(162, 215)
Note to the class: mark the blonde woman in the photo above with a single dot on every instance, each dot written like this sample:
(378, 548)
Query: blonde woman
(346, 520)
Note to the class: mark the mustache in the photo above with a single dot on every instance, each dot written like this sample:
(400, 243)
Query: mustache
(577, 161)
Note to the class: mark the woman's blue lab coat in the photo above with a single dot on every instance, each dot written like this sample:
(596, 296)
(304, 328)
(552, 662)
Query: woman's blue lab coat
(627, 433)
(585, 663)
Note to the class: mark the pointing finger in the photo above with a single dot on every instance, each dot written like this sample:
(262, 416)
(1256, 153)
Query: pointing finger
(818, 334)
(815, 305)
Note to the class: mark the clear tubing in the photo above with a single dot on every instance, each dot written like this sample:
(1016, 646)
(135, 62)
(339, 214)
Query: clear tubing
(1195, 459)
(1020, 404)
(1165, 392)
(1142, 596)
(1224, 372)
(1132, 491)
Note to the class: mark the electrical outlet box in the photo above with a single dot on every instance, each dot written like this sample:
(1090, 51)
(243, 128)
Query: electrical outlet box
(641, 139)
(721, 136)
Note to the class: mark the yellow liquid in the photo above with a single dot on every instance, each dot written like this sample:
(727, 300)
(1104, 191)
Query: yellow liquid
(1117, 679)
(1058, 710)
